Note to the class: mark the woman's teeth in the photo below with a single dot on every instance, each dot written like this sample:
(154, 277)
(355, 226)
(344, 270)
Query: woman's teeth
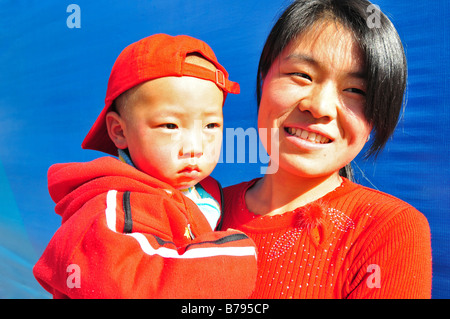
(308, 136)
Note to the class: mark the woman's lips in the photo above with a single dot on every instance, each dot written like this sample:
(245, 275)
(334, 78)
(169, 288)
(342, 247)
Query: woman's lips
(312, 137)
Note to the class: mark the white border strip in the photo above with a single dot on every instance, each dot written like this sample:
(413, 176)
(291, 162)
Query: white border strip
(111, 210)
(166, 252)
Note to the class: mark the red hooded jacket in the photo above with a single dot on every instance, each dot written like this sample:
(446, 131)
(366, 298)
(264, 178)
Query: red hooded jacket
(125, 234)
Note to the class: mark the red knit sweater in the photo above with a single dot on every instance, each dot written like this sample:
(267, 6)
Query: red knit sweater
(354, 242)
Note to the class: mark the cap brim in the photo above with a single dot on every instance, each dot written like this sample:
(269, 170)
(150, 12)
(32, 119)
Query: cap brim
(98, 137)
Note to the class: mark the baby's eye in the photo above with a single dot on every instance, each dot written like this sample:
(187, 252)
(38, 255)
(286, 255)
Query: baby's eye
(212, 125)
(169, 126)
(357, 91)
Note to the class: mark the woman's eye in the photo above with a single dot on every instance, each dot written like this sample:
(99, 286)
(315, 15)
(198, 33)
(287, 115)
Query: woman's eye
(357, 91)
(301, 75)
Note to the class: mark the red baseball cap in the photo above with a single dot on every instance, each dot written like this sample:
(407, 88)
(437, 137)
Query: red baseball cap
(153, 57)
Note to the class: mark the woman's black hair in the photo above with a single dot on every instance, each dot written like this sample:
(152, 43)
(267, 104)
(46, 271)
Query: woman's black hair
(385, 61)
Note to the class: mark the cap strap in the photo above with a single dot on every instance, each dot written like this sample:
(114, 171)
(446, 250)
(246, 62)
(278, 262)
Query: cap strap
(220, 79)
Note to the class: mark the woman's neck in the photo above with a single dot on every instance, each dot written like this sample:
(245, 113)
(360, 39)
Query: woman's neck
(277, 193)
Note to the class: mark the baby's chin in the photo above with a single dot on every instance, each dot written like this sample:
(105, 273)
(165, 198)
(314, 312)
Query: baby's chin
(186, 183)
(184, 186)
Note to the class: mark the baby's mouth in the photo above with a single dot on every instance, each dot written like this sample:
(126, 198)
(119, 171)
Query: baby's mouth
(190, 169)
(307, 136)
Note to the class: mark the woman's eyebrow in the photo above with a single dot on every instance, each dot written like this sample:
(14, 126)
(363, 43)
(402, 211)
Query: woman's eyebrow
(298, 57)
(304, 58)
(358, 75)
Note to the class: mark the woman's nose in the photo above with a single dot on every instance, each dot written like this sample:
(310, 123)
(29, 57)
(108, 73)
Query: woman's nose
(322, 102)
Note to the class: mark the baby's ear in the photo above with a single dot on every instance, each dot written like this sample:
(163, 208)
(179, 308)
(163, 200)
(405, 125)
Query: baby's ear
(116, 129)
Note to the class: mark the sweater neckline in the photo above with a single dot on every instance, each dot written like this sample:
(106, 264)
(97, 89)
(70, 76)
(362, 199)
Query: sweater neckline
(288, 218)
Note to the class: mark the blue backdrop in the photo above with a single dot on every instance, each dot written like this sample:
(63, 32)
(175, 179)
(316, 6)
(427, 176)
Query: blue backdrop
(53, 76)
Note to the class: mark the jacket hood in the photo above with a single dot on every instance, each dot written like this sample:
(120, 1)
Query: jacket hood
(71, 185)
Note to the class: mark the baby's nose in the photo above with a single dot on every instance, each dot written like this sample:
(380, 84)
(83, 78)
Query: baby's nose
(192, 145)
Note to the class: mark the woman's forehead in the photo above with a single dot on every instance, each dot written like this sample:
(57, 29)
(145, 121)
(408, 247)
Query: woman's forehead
(327, 43)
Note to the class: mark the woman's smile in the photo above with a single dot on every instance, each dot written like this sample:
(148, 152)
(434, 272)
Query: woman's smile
(306, 135)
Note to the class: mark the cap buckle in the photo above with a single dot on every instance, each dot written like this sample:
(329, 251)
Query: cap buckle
(220, 78)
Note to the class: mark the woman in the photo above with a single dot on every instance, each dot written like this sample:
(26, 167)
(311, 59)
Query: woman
(326, 81)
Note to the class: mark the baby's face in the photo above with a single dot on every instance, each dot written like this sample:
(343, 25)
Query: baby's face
(173, 129)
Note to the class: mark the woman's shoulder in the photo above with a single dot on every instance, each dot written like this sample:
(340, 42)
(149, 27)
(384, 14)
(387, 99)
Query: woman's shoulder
(380, 205)
(372, 196)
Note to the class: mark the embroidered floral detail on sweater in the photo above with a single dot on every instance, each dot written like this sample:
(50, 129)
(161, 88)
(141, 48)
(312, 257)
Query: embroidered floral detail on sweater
(310, 218)
(340, 220)
(284, 243)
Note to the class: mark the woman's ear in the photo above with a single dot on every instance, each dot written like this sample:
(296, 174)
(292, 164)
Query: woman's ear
(116, 129)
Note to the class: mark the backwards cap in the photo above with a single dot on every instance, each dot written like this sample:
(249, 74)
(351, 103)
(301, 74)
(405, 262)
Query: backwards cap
(156, 56)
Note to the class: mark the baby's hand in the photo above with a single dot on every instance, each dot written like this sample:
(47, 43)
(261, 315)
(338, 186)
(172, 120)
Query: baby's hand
(232, 229)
